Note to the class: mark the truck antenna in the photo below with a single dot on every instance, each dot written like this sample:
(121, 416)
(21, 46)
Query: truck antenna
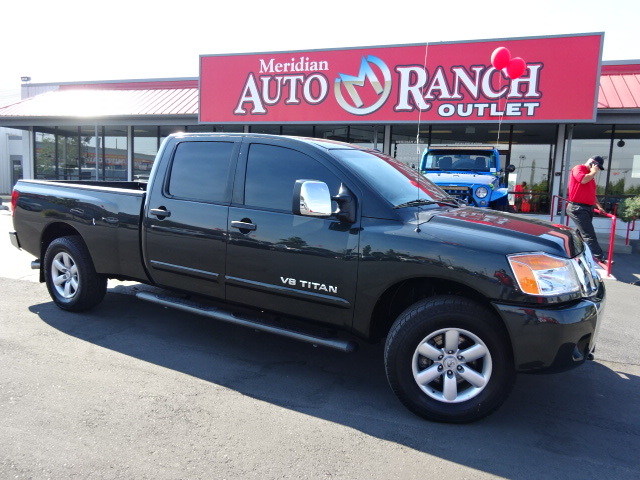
(424, 66)
(501, 113)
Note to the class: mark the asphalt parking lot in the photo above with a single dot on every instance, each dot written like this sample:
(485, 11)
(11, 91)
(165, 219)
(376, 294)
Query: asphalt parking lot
(131, 390)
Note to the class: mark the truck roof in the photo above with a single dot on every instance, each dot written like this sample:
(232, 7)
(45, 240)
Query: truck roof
(320, 142)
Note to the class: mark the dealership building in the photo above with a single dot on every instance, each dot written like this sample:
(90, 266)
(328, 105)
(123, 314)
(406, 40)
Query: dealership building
(566, 106)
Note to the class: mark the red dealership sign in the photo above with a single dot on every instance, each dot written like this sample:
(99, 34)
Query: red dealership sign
(443, 82)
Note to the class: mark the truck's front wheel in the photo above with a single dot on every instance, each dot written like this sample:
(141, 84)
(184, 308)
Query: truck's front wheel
(70, 275)
(448, 360)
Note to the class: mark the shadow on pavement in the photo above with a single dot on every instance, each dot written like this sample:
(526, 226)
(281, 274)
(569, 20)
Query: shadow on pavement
(626, 268)
(577, 421)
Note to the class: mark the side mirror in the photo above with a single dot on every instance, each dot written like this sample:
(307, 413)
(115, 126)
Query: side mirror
(511, 168)
(311, 198)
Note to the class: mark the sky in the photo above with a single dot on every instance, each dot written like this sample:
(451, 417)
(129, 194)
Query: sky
(84, 40)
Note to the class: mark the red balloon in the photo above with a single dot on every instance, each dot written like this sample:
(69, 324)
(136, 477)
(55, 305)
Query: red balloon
(516, 67)
(500, 58)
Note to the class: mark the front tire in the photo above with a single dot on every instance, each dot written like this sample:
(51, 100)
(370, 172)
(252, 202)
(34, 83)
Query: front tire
(448, 359)
(71, 278)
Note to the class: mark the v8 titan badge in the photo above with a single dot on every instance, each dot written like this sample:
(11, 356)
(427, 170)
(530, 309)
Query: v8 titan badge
(353, 102)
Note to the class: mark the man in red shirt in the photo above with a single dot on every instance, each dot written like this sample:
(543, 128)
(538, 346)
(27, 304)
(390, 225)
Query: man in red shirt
(582, 200)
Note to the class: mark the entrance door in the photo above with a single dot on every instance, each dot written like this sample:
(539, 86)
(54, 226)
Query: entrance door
(16, 172)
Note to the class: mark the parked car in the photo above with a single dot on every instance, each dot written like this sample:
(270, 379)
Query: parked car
(472, 174)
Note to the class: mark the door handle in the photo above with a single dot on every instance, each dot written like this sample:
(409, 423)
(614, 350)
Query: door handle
(110, 220)
(243, 225)
(161, 212)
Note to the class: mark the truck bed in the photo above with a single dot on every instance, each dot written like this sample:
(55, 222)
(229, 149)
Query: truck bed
(106, 214)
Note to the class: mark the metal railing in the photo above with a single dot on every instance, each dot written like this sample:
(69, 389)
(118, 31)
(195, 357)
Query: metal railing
(631, 226)
(612, 234)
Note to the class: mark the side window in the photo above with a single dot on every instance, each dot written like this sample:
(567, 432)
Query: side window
(272, 172)
(200, 171)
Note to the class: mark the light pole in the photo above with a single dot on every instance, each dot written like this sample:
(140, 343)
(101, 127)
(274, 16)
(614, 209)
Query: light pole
(27, 82)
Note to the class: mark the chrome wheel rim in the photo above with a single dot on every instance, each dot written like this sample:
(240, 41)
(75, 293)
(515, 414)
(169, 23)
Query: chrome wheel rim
(64, 274)
(452, 365)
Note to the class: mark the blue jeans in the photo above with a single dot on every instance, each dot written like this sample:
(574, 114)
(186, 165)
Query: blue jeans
(582, 215)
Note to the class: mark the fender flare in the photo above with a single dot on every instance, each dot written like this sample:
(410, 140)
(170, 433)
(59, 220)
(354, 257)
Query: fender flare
(498, 194)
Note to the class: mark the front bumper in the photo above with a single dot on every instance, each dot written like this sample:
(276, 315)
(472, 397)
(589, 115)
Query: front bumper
(553, 339)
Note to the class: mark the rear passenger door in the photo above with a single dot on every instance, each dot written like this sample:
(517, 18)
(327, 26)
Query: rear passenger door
(185, 225)
(278, 261)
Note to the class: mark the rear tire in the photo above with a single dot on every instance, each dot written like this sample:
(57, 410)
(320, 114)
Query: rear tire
(71, 278)
(448, 359)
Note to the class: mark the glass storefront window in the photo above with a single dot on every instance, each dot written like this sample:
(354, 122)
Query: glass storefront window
(215, 128)
(68, 151)
(76, 153)
(619, 145)
(298, 130)
(199, 128)
(228, 128)
(407, 143)
(268, 129)
(528, 147)
(88, 164)
(589, 140)
(623, 170)
(103, 153)
(45, 155)
(532, 148)
(79, 153)
(145, 147)
(404, 138)
(370, 136)
(339, 133)
(113, 161)
(87, 147)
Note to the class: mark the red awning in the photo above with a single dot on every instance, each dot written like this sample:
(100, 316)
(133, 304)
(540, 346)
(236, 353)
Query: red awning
(92, 101)
(619, 87)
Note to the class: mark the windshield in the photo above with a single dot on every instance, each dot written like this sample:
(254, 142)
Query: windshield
(395, 181)
(463, 160)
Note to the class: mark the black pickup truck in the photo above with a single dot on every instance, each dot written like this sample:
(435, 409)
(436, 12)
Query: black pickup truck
(329, 243)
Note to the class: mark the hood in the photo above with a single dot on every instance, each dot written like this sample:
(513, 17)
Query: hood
(465, 178)
(498, 232)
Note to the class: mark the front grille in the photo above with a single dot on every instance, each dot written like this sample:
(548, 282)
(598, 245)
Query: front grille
(459, 192)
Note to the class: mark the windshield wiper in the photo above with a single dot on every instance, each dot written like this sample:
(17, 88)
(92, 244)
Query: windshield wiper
(424, 201)
(452, 202)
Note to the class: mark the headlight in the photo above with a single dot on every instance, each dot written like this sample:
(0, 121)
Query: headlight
(542, 274)
(482, 192)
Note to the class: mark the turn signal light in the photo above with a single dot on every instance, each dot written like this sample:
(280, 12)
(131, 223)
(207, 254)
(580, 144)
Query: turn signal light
(543, 274)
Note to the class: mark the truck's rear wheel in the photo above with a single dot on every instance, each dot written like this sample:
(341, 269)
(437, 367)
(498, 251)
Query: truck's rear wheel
(448, 360)
(70, 275)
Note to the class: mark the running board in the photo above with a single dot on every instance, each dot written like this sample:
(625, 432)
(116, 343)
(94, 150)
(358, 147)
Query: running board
(346, 346)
